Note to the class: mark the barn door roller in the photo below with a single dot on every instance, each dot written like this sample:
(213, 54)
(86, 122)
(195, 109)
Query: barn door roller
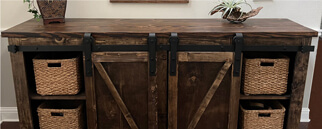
(152, 43)
(174, 42)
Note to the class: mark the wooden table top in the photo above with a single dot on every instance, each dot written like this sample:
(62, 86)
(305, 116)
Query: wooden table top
(215, 27)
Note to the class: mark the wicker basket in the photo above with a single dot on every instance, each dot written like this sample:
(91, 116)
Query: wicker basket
(57, 76)
(61, 116)
(265, 76)
(272, 118)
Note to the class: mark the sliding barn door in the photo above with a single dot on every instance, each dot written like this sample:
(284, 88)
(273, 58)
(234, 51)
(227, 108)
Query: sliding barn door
(199, 93)
(124, 91)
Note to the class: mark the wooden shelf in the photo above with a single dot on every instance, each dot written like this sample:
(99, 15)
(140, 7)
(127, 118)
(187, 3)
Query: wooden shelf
(80, 96)
(264, 97)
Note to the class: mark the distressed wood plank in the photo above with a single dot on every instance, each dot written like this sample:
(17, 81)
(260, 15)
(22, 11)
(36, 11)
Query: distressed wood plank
(162, 86)
(152, 102)
(79, 96)
(234, 99)
(120, 57)
(265, 97)
(234, 103)
(209, 95)
(268, 28)
(204, 56)
(287, 41)
(91, 109)
(21, 87)
(55, 41)
(173, 99)
(127, 115)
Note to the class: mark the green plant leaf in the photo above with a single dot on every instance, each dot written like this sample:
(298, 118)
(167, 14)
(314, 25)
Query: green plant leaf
(229, 5)
(217, 7)
(241, 14)
(32, 9)
(230, 12)
(224, 13)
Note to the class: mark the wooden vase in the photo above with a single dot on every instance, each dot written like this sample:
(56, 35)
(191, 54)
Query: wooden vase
(52, 11)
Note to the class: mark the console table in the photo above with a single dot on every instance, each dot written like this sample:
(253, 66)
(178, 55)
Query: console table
(160, 74)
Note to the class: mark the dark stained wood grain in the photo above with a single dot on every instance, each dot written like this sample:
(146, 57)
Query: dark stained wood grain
(152, 102)
(80, 96)
(54, 41)
(15, 125)
(91, 106)
(126, 113)
(234, 98)
(298, 86)
(173, 98)
(212, 90)
(185, 27)
(129, 74)
(265, 97)
(108, 113)
(161, 101)
(157, 91)
(234, 103)
(190, 86)
(272, 41)
(162, 85)
(204, 56)
(21, 87)
(194, 82)
(193, 39)
(120, 56)
(125, 40)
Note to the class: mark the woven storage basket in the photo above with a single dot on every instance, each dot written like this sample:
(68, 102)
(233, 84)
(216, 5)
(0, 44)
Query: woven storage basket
(61, 116)
(265, 76)
(263, 119)
(57, 76)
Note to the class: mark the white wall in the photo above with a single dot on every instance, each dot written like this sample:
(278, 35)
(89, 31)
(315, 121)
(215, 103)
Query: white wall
(13, 12)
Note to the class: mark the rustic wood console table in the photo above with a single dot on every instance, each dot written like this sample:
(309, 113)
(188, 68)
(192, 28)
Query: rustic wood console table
(165, 74)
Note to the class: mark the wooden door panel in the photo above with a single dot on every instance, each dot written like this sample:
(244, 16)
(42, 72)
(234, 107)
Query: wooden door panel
(202, 91)
(128, 75)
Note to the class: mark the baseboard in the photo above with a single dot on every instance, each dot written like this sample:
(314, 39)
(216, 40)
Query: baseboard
(305, 117)
(10, 114)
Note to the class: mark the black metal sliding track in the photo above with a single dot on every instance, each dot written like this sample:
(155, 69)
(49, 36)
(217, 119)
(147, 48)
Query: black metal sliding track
(88, 47)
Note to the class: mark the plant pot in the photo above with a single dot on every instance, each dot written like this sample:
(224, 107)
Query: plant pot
(237, 16)
(52, 11)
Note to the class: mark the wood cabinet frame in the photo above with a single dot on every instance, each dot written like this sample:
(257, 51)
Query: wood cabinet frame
(161, 91)
(295, 98)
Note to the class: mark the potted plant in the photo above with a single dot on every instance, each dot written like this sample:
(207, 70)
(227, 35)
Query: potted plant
(233, 12)
(50, 10)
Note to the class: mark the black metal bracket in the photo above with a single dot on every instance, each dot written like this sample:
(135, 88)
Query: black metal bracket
(278, 48)
(152, 43)
(238, 42)
(307, 49)
(174, 42)
(87, 50)
(12, 48)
